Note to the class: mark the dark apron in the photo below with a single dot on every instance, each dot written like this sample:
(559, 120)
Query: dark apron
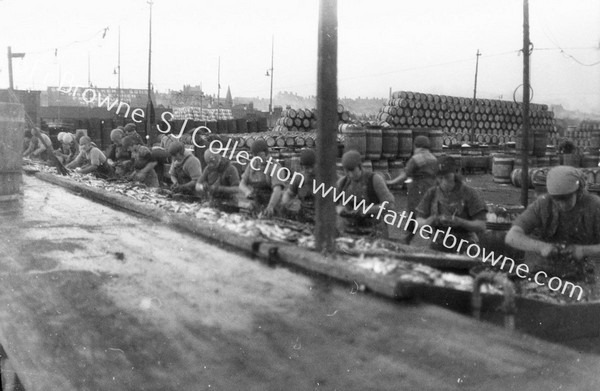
(417, 189)
(182, 176)
(362, 225)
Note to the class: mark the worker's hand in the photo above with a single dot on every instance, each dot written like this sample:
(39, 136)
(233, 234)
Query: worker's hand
(268, 212)
(577, 251)
(432, 221)
(248, 193)
(137, 176)
(200, 188)
(546, 250)
(447, 221)
(78, 170)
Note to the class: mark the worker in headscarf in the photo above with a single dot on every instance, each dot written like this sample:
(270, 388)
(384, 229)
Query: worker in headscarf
(219, 182)
(118, 157)
(130, 130)
(560, 231)
(298, 200)
(144, 162)
(90, 160)
(40, 145)
(419, 174)
(185, 169)
(258, 185)
(451, 203)
(157, 158)
(68, 149)
(363, 186)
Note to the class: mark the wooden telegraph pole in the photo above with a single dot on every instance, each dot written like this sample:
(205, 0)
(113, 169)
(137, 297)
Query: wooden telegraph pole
(326, 123)
(474, 97)
(525, 130)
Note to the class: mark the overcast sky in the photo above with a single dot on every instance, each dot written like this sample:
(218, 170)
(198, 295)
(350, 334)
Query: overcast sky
(427, 46)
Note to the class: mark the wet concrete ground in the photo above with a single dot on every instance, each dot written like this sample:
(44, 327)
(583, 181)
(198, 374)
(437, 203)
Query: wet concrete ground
(99, 299)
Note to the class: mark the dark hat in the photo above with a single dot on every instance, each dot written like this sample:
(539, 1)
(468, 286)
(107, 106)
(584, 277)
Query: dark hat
(446, 165)
(351, 160)
(259, 146)
(422, 142)
(175, 148)
(308, 157)
(129, 141)
(130, 127)
(116, 132)
(563, 180)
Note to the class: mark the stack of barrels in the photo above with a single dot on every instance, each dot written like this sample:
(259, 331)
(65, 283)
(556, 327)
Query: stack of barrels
(464, 119)
(384, 149)
(296, 120)
(586, 136)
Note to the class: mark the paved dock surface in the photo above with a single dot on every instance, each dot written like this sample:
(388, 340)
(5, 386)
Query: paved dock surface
(97, 299)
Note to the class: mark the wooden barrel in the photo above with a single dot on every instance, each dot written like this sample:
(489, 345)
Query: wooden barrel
(543, 161)
(502, 166)
(436, 140)
(590, 161)
(589, 174)
(540, 139)
(355, 137)
(12, 120)
(381, 167)
(553, 159)
(531, 160)
(389, 139)
(515, 177)
(570, 159)
(595, 139)
(262, 125)
(339, 169)
(519, 142)
(405, 143)
(240, 124)
(373, 143)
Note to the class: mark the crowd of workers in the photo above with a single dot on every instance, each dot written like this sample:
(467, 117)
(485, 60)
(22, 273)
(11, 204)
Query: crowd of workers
(560, 230)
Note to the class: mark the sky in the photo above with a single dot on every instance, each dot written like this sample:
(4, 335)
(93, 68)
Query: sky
(426, 46)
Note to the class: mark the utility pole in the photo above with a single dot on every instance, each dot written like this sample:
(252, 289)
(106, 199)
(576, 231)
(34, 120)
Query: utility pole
(219, 90)
(474, 96)
(271, 69)
(327, 102)
(12, 55)
(149, 105)
(525, 130)
(119, 68)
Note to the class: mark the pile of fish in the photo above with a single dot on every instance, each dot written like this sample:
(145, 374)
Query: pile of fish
(416, 273)
(359, 252)
(240, 224)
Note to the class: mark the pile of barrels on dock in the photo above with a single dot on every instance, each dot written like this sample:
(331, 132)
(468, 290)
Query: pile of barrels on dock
(507, 168)
(201, 114)
(586, 136)
(384, 149)
(303, 120)
(294, 120)
(463, 120)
